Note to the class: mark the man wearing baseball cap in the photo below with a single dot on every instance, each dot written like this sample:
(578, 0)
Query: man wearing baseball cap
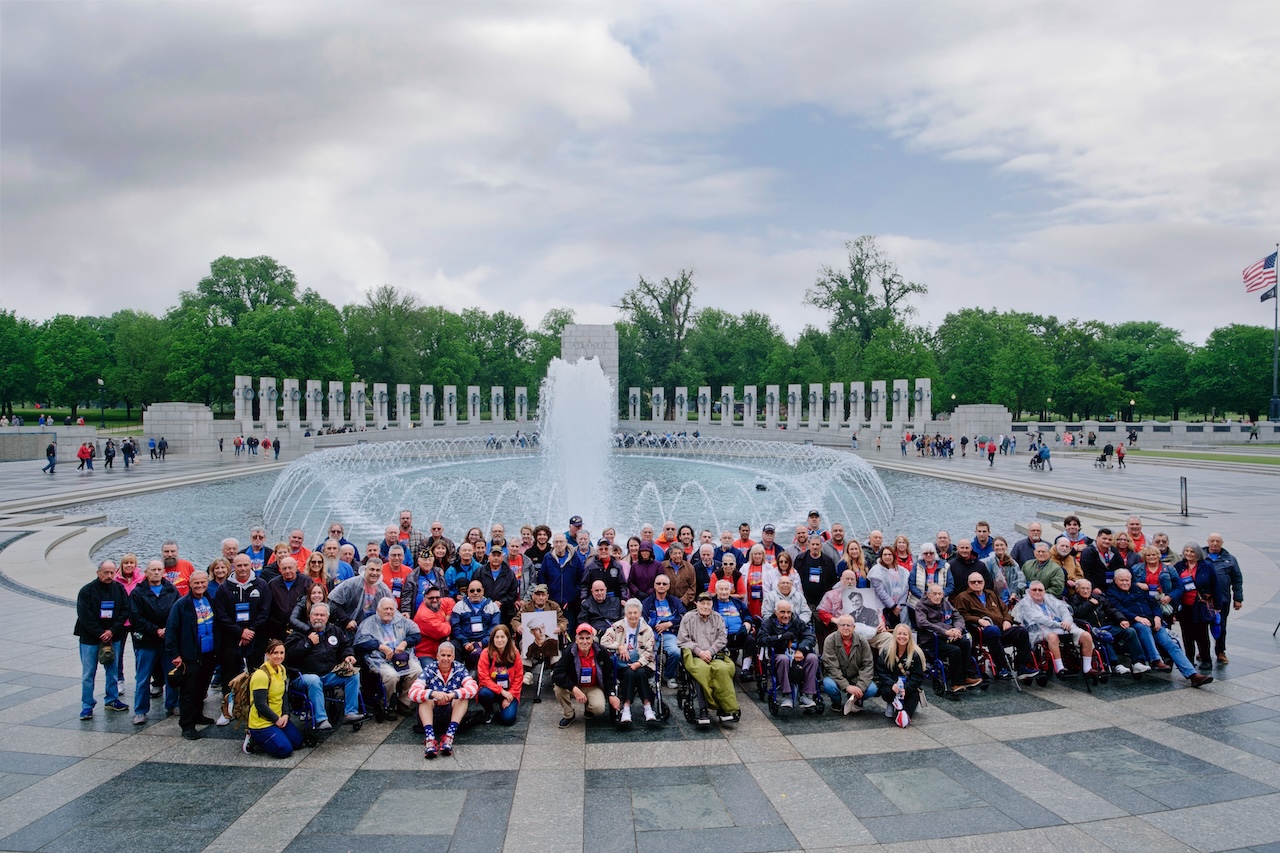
(575, 524)
(544, 646)
(702, 638)
(584, 676)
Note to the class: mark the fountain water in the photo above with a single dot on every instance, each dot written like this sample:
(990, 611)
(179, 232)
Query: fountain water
(577, 425)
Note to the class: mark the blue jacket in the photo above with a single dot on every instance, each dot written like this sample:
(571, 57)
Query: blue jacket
(1131, 603)
(1230, 578)
(651, 613)
(1206, 580)
(181, 638)
(474, 623)
(563, 576)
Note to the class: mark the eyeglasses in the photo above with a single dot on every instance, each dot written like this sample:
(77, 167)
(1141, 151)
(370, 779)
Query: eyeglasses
(730, 565)
(258, 536)
(975, 583)
(433, 598)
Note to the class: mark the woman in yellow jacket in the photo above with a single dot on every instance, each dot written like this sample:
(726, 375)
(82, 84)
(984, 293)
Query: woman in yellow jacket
(269, 725)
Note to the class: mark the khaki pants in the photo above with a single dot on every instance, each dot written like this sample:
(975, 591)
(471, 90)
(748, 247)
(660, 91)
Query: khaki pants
(716, 680)
(569, 706)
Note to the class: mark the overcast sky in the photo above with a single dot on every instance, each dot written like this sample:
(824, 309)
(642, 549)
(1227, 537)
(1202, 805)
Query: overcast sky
(1103, 160)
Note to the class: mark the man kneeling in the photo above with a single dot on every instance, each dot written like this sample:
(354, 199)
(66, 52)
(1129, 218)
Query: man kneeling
(584, 676)
(443, 691)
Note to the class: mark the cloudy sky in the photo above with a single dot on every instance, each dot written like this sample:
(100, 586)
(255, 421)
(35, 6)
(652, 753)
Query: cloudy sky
(1102, 160)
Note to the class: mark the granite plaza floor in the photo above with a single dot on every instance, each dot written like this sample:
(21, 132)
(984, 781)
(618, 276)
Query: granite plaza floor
(1148, 765)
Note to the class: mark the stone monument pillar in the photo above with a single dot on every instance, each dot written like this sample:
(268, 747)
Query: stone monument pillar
(657, 405)
(704, 404)
(633, 403)
(522, 404)
(900, 399)
(243, 398)
(750, 403)
(497, 404)
(337, 400)
(857, 405)
(473, 405)
(404, 407)
(816, 399)
(726, 405)
(771, 407)
(451, 405)
(427, 405)
(268, 397)
(794, 404)
(835, 402)
(596, 341)
(380, 407)
(359, 411)
(682, 408)
(923, 397)
(292, 396)
(315, 404)
(877, 404)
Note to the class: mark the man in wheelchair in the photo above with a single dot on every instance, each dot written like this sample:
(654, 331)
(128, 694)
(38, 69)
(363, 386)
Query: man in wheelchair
(791, 643)
(702, 639)
(315, 656)
(739, 625)
(1047, 619)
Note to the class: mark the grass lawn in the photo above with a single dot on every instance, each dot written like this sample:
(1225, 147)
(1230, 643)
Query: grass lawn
(1252, 458)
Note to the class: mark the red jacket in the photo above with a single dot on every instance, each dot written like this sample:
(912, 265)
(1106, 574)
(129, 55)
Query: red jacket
(486, 675)
(434, 625)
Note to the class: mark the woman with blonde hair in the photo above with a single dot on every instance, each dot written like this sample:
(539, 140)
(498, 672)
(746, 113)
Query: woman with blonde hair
(899, 672)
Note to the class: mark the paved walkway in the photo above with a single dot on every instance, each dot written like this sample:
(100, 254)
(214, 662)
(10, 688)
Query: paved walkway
(1148, 765)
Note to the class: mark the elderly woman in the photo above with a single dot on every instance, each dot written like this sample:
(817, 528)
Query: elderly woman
(1196, 594)
(385, 640)
(1006, 572)
(1047, 619)
(443, 690)
(1155, 577)
(787, 589)
(899, 672)
(631, 640)
(928, 570)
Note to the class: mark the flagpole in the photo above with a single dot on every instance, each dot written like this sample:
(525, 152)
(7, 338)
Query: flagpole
(1275, 355)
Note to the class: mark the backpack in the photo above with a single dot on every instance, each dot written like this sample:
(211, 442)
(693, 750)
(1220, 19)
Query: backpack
(241, 698)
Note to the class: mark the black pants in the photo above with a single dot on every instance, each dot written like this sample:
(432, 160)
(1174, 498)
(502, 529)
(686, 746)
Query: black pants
(745, 641)
(1220, 644)
(195, 686)
(957, 657)
(236, 658)
(1195, 635)
(633, 681)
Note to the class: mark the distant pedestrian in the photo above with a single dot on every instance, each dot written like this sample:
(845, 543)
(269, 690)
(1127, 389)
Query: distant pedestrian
(991, 454)
(151, 443)
(163, 447)
(219, 445)
(275, 446)
(1120, 454)
(854, 441)
(50, 453)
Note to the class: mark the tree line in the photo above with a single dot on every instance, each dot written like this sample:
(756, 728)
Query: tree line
(249, 316)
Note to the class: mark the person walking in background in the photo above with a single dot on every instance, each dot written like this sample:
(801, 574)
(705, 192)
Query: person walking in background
(51, 454)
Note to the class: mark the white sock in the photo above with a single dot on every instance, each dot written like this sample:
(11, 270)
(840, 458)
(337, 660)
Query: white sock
(1057, 665)
(1088, 664)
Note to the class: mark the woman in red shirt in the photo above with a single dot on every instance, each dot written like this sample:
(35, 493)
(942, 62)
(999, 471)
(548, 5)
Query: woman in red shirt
(500, 674)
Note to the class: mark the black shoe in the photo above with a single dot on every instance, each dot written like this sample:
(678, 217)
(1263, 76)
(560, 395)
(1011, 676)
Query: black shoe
(192, 734)
(205, 721)
(565, 722)
(1205, 663)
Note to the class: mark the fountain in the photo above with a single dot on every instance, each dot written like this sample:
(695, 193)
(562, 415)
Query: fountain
(705, 482)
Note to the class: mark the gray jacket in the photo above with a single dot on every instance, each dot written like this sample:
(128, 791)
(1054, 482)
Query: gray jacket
(698, 634)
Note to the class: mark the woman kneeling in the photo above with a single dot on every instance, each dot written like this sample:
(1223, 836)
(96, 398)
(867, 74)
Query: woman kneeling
(269, 725)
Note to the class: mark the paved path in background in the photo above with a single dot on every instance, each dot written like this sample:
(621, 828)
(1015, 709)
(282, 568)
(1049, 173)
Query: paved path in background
(1149, 765)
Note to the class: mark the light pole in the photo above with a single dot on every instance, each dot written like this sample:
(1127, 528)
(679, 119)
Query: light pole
(1132, 403)
(102, 403)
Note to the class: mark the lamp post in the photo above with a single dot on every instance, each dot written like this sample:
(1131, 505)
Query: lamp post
(1132, 403)
(1048, 407)
(102, 403)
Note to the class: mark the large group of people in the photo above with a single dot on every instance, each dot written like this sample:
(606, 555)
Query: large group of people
(451, 633)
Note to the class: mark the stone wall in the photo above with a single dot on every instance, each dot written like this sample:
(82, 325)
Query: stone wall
(599, 341)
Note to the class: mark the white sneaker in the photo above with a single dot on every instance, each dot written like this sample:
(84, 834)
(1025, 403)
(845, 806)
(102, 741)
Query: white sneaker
(528, 679)
(806, 701)
(324, 726)
(626, 714)
(672, 684)
(785, 703)
(1140, 667)
(222, 720)
(649, 716)
(247, 746)
(1121, 669)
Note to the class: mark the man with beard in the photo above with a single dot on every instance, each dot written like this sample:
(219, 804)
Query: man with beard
(336, 570)
(176, 569)
(316, 656)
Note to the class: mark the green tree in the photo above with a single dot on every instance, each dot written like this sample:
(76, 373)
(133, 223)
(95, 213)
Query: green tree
(202, 342)
(1023, 374)
(1166, 383)
(301, 340)
(71, 356)
(380, 336)
(139, 345)
(662, 314)
(867, 295)
(1232, 371)
(238, 286)
(18, 373)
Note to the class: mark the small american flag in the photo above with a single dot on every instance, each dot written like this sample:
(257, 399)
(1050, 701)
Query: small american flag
(1261, 274)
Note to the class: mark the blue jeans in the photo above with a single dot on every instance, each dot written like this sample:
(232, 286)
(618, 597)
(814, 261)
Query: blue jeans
(89, 674)
(672, 649)
(148, 665)
(837, 698)
(277, 742)
(1162, 638)
(53, 463)
(315, 685)
(492, 704)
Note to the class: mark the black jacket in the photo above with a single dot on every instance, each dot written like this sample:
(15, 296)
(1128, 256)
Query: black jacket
(101, 607)
(283, 600)
(778, 637)
(570, 665)
(1098, 570)
(255, 599)
(601, 614)
(180, 637)
(504, 589)
(148, 613)
(817, 575)
(1097, 610)
(318, 658)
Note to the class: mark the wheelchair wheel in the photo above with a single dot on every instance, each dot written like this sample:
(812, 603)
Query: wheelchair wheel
(939, 687)
(1042, 679)
(761, 687)
(775, 708)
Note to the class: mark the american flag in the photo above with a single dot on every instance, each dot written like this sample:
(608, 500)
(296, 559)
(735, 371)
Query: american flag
(1261, 274)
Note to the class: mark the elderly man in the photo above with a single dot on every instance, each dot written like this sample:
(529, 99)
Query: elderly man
(191, 645)
(600, 610)
(942, 627)
(1137, 539)
(443, 690)
(871, 548)
(336, 569)
(258, 551)
(792, 642)
(562, 572)
(1045, 570)
(984, 613)
(695, 576)
(357, 598)
(584, 676)
(149, 606)
(385, 639)
(1048, 618)
(942, 541)
(473, 620)
(544, 647)
(500, 583)
(316, 656)
(1230, 588)
(240, 613)
(702, 639)
(286, 591)
(837, 600)
(339, 534)
(1025, 548)
(663, 612)
(1138, 611)
(102, 607)
(297, 549)
(433, 620)
(847, 666)
(786, 588)
(1098, 611)
(230, 547)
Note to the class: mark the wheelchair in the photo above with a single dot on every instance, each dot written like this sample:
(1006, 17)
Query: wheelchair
(936, 670)
(767, 687)
(689, 695)
(303, 713)
(1072, 661)
(986, 661)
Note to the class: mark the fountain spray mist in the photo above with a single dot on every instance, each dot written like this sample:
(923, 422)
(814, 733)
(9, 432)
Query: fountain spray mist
(578, 411)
